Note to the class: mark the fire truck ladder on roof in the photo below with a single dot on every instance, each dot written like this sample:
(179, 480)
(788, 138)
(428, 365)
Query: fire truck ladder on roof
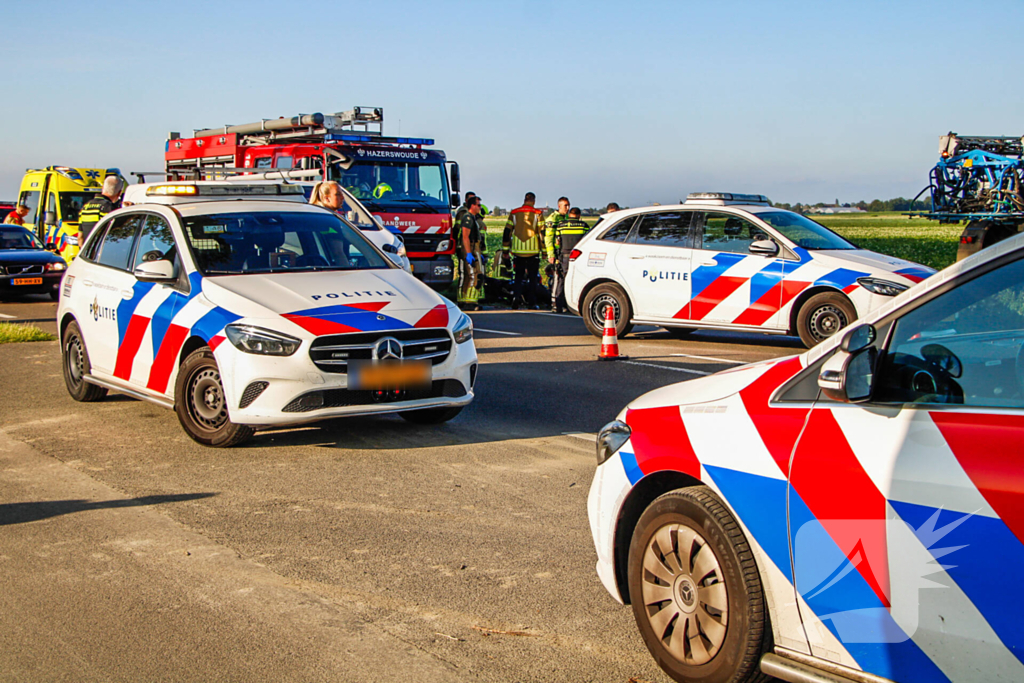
(365, 121)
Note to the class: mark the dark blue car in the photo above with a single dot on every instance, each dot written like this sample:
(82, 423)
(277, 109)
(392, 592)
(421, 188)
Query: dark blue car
(26, 266)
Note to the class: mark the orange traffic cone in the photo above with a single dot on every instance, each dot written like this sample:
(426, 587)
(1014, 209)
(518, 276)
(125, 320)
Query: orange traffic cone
(610, 341)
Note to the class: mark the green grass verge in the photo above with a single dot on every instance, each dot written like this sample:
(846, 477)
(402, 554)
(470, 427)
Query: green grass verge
(16, 332)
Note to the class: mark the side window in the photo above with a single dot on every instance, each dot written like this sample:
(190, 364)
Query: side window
(51, 204)
(92, 247)
(31, 198)
(619, 232)
(117, 243)
(670, 229)
(263, 162)
(283, 162)
(726, 232)
(965, 346)
(156, 243)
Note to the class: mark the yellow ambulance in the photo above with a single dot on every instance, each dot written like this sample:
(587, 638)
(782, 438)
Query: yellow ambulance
(55, 196)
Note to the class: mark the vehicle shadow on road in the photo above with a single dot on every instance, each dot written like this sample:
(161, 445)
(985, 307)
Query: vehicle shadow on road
(21, 513)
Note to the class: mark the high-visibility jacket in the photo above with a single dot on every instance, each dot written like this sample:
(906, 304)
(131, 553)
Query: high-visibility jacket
(565, 235)
(522, 236)
(92, 212)
(550, 227)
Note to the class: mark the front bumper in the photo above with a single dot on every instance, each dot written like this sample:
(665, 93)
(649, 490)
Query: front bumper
(607, 494)
(291, 378)
(436, 271)
(51, 283)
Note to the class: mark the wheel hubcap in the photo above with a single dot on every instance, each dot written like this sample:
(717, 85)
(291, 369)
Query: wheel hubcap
(599, 309)
(685, 595)
(206, 399)
(826, 321)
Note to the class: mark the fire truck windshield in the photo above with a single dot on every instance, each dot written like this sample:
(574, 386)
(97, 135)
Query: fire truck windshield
(415, 188)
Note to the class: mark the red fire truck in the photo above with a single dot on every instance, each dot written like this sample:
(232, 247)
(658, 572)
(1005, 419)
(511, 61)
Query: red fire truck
(411, 187)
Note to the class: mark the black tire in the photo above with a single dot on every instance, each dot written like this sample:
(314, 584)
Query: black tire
(597, 300)
(822, 316)
(680, 332)
(728, 652)
(200, 404)
(431, 416)
(75, 364)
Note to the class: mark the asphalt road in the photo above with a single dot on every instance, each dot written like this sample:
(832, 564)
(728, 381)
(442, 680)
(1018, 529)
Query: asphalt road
(36, 309)
(357, 549)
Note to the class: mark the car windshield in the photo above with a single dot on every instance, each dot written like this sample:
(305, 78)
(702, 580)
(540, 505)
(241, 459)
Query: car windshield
(396, 186)
(18, 238)
(277, 242)
(71, 204)
(804, 232)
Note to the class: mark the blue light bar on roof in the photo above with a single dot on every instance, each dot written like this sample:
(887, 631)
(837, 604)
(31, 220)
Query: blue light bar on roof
(349, 137)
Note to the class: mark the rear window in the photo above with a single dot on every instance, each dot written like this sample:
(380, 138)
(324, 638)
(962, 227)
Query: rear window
(619, 232)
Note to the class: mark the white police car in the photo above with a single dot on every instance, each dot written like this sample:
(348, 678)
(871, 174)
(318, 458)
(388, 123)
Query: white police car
(264, 311)
(730, 261)
(855, 513)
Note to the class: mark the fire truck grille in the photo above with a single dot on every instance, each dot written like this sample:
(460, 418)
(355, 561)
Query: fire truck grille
(332, 353)
(342, 398)
(414, 242)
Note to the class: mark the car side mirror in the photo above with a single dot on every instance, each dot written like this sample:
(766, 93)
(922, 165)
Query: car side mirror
(858, 338)
(764, 248)
(50, 218)
(50, 246)
(849, 377)
(455, 201)
(156, 271)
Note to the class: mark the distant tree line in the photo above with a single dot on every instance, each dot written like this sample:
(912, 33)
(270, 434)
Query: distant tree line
(875, 205)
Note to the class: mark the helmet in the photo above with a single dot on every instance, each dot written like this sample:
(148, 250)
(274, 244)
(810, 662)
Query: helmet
(381, 190)
(484, 210)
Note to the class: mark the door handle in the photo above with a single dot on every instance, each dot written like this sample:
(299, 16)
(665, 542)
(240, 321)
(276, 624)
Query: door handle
(87, 283)
(709, 263)
(637, 257)
(127, 294)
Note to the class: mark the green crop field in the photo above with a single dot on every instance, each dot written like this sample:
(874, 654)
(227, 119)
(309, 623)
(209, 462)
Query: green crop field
(893, 234)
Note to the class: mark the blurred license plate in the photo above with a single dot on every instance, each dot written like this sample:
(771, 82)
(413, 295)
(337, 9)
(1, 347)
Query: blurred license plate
(407, 375)
(27, 281)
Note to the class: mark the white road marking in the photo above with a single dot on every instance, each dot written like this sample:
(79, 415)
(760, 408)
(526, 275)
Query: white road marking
(9, 317)
(581, 435)
(720, 360)
(511, 334)
(667, 367)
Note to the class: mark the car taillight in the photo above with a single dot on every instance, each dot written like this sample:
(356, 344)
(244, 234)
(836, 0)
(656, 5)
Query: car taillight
(574, 254)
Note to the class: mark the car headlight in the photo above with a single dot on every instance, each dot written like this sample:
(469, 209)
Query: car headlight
(463, 331)
(883, 287)
(610, 439)
(443, 245)
(260, 341)
(56, 266)
(401, 250)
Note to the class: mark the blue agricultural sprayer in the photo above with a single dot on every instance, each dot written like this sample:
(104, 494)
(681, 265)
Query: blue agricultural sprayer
(978, 180)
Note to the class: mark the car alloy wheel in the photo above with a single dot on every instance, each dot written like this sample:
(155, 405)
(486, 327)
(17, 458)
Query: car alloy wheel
(685, 594)
(826, 321)
(206, 399)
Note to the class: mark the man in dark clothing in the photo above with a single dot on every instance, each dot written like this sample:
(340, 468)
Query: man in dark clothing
(468, 239)
(463, 210)
(99, 206)
(568, 233)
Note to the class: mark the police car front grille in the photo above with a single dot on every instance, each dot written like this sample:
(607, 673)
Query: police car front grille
(342, 398)
(332, 353)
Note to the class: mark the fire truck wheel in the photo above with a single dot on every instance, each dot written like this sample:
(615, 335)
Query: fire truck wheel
(596, 303)
(200, 404)
(76, 366)
(823, 315)
(431, 416)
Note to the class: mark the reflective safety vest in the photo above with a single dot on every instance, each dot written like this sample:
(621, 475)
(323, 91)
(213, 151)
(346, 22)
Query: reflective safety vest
(522, 232)
(566, 234)
(92, 213)
(550, 227)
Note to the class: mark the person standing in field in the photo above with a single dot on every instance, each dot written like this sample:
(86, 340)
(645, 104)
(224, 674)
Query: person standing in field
(567, 235)
(462, 210)
(551, 223)
(522, 239)
(468, 238)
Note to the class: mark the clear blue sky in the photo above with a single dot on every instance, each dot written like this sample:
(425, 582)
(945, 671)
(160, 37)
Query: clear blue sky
(634, 102)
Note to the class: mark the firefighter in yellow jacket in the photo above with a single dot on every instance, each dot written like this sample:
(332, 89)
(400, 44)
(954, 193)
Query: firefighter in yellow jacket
(523, 238)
